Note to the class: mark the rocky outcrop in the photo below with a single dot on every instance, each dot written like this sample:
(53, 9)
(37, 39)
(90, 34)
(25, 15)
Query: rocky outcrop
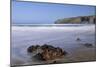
(48, 52)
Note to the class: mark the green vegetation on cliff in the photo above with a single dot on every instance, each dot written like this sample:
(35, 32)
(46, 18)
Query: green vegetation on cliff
(77, 20)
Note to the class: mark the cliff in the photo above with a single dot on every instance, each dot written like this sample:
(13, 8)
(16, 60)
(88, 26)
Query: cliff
(77, 20)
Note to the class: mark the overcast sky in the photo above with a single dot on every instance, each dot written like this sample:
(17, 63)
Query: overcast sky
(46, 13)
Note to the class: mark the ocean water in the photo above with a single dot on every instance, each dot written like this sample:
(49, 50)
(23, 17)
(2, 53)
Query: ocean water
(50, 25)
(64, 36)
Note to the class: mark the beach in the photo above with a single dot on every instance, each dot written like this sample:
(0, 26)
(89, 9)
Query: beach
(64, 37)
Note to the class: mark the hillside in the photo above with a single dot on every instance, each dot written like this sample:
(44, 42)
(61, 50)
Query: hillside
(77, 20)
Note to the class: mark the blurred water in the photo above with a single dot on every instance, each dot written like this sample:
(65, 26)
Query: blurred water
(63, 36)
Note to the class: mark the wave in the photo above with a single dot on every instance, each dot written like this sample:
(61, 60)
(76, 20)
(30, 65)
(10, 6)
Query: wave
(51, 25)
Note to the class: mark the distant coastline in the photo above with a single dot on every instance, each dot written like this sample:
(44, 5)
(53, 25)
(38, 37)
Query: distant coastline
(77, 20)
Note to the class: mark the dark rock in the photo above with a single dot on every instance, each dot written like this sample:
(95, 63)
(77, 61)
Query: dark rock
(78, 39)
(88, 45)
(51, 53)
(37, 46)
(45, 46)
(32, 48)
(48, 52)
(38, 56)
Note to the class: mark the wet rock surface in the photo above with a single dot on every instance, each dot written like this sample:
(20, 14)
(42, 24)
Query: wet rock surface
(47, 52)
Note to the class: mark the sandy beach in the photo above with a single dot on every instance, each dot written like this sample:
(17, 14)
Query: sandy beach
(63, 37)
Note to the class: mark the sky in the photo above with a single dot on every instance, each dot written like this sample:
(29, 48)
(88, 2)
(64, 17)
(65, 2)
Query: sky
(46, 13)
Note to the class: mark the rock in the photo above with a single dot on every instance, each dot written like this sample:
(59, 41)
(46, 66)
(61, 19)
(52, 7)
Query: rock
(51, 53)
(88, 45)
(78, 39)
(45, 46)
(37, 46)
(32, 48)
(38, 56)
(48, 52)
